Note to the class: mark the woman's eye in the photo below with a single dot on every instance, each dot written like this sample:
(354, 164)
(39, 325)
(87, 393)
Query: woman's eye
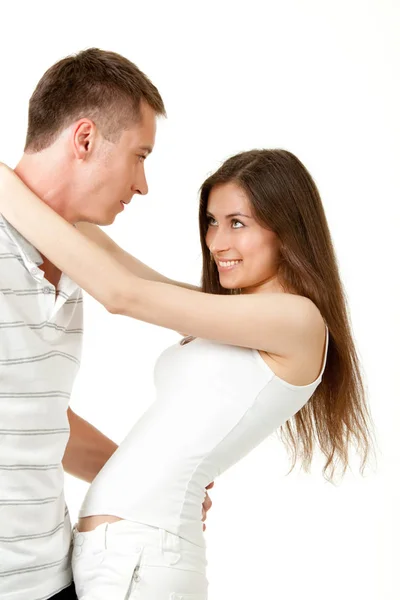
(236, 222)
(211, 221)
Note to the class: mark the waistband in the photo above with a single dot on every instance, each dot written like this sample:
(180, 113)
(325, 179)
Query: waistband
(157, 547)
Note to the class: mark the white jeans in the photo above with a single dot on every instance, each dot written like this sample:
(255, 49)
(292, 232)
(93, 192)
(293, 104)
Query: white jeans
(127, 560)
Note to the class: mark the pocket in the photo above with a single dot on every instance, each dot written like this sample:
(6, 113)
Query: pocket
(123, 572)
(116, 572)
(84, 553)
(171, 547)
(86, 569)
(135, 577)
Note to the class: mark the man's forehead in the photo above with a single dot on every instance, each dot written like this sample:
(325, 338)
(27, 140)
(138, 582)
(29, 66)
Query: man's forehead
(140, 139)
(143, 132)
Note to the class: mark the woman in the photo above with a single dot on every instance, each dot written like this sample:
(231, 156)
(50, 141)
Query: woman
(256, 359)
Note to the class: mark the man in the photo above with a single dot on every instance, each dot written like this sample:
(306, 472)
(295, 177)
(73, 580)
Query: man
(92, 123)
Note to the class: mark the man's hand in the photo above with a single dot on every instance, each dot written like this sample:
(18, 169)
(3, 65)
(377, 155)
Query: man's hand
(207, 504)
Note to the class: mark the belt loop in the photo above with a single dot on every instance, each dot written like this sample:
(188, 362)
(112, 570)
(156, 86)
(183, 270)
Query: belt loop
(99, 537)
(170, 547)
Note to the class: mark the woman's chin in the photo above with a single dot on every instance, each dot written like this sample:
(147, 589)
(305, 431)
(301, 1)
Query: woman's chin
(229, 286)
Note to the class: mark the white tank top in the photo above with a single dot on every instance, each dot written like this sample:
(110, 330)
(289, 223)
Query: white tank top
(214, 404)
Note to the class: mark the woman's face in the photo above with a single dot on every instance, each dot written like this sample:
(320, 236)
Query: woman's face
(246, 254)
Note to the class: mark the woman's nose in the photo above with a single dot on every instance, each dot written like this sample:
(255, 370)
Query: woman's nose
(220, 243)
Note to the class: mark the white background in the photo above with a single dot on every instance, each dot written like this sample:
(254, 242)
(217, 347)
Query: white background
(320, 79)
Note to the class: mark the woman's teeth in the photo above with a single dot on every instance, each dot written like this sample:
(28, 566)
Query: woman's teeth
(228, 263)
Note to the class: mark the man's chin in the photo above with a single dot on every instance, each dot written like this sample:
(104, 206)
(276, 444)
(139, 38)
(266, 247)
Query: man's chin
(109, 221)
(102, 221)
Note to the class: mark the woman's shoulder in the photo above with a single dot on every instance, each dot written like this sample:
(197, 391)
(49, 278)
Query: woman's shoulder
(305, 313)
(301, 363)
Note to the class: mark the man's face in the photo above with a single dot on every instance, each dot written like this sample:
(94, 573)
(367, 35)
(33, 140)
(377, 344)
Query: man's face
(115, 171)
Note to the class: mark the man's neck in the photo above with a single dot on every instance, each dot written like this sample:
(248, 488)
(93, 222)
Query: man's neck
(42, 175)
(42, 178)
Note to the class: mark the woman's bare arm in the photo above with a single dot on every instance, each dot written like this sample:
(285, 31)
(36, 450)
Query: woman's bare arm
(274, 322)
(95, 233)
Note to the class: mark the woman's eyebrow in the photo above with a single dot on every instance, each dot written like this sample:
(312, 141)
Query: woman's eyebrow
(235, 214)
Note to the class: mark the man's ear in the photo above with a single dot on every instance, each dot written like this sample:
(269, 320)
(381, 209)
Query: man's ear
(84, 134)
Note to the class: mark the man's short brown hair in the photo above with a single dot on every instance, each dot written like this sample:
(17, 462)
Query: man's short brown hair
(103, 86)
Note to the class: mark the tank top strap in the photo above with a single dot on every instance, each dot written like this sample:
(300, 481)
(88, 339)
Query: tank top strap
(325, 351)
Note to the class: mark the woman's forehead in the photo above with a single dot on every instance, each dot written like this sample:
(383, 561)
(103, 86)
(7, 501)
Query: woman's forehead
(228, 198)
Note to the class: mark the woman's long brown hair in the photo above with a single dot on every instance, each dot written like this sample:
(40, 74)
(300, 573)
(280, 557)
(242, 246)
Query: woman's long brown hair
(284, 198)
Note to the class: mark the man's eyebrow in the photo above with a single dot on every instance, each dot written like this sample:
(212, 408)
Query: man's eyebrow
(235, 214)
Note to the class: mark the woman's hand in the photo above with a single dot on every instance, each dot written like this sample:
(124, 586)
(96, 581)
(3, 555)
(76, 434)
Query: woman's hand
(207, 504)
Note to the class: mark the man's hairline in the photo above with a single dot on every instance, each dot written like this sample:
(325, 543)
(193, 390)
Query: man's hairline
(136, 121)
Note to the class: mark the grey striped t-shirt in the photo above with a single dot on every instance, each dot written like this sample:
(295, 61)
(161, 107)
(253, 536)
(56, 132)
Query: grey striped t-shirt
(40, 347)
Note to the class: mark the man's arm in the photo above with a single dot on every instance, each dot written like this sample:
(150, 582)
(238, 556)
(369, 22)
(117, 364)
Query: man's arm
(138, 268)
(87, 449)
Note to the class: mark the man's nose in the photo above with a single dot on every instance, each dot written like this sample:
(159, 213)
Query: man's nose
(140, 186)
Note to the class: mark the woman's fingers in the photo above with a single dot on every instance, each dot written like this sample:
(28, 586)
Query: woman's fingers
(207, 504)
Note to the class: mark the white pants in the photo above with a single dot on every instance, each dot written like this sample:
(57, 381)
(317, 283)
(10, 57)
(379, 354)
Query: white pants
(127, 560)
